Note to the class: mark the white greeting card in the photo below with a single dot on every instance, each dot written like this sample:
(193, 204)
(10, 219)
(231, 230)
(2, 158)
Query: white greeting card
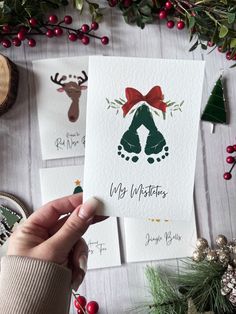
(156, 240)
(61, 92)
(141, 136)
(102, 238)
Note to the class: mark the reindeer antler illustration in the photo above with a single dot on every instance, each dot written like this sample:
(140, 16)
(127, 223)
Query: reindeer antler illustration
(73, 90)
(82, 80)
(56, 81)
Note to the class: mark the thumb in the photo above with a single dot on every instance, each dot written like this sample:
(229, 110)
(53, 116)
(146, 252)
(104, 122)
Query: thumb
(74, 227)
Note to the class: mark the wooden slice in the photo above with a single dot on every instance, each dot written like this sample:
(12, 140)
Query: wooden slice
(9, 77)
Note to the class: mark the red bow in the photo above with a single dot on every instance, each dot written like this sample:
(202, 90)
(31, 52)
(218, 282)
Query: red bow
(154, 98)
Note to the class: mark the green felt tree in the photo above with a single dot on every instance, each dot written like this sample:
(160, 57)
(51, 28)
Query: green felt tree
(9, 217)
(215, 110)
(78, 188)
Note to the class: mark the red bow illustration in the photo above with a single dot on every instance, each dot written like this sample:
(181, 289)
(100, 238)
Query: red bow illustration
(154, 98)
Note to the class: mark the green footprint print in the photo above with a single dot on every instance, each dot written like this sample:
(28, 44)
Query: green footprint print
(130, 146)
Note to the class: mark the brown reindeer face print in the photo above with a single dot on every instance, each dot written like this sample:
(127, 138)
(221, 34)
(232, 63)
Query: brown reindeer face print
(73, 90)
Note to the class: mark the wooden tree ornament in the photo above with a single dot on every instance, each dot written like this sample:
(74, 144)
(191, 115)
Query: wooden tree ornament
(9, 77)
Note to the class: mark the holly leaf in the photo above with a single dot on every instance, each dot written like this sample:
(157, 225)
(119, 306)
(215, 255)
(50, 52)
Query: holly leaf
(223, 31)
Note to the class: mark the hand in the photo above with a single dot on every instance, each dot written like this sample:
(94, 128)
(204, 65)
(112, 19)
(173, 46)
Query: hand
(44, 236)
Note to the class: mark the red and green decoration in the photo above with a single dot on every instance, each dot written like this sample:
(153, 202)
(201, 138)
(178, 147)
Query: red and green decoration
(211, 24)
(231, 160)
(83, 307)
(23, 21)
(215, 110)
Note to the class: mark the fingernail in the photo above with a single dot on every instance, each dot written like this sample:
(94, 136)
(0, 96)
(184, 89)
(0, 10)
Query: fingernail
(88, 209)
(83, 260)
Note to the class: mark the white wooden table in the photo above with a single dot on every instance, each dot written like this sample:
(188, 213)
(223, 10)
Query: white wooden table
(119, 289)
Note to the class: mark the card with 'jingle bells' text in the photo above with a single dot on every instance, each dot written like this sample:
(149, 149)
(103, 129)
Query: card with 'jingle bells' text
(141, 135)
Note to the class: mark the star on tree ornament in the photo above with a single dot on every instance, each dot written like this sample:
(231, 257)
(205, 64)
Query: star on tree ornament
(78, 188)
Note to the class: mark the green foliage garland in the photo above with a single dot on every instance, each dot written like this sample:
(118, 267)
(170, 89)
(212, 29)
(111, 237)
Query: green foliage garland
(15, 12)
(210, 22)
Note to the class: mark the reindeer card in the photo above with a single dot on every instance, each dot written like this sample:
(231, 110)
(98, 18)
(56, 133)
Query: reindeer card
(61, 92)
(141, 136)
(103, 249)
(148, 240)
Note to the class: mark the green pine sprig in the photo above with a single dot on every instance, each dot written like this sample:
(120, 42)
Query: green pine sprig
(199, 282)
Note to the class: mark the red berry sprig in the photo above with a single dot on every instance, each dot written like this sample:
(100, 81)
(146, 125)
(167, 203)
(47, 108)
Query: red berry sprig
(51, 28)
(83, 307)
(230, 160)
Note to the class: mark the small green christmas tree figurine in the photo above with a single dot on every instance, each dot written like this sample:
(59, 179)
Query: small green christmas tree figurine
(78, 188)
(215, 111)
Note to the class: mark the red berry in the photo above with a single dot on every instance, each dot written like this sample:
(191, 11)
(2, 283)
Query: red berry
(210, 44)
(68, 19)
(23, 29)
(234, 147)
(230, 160)
(21, 35)
(227, 175)
(58, 31)
(112, 3)
(168, 5)
(33, 22)
(228, 55)
(6, 43)
(94, 26)
(181, 25)
(220, 49)
(31, 42)
(82, 301)
(49, 33)
(53, 19)
(127, 3)
(230, 149)
(92, 307)
(85, 28)
(85, 40)
(105, 40)
(170, 24)
(162, 15)
(72, 37)
(81, 311)
(6, 28)
(16, 41)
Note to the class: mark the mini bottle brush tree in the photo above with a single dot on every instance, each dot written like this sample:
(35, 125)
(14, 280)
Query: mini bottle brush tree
(215, 110)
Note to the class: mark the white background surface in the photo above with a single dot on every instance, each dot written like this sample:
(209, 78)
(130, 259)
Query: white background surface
(119, 289)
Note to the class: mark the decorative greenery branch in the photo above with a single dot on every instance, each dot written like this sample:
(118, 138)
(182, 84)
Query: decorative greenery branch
(171, 107)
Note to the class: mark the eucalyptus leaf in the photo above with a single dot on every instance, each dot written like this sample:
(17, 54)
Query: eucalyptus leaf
(223, 31)
(231, 18)
(79, 4)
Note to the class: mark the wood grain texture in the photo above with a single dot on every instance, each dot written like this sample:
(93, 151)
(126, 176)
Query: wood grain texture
(119, 289)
